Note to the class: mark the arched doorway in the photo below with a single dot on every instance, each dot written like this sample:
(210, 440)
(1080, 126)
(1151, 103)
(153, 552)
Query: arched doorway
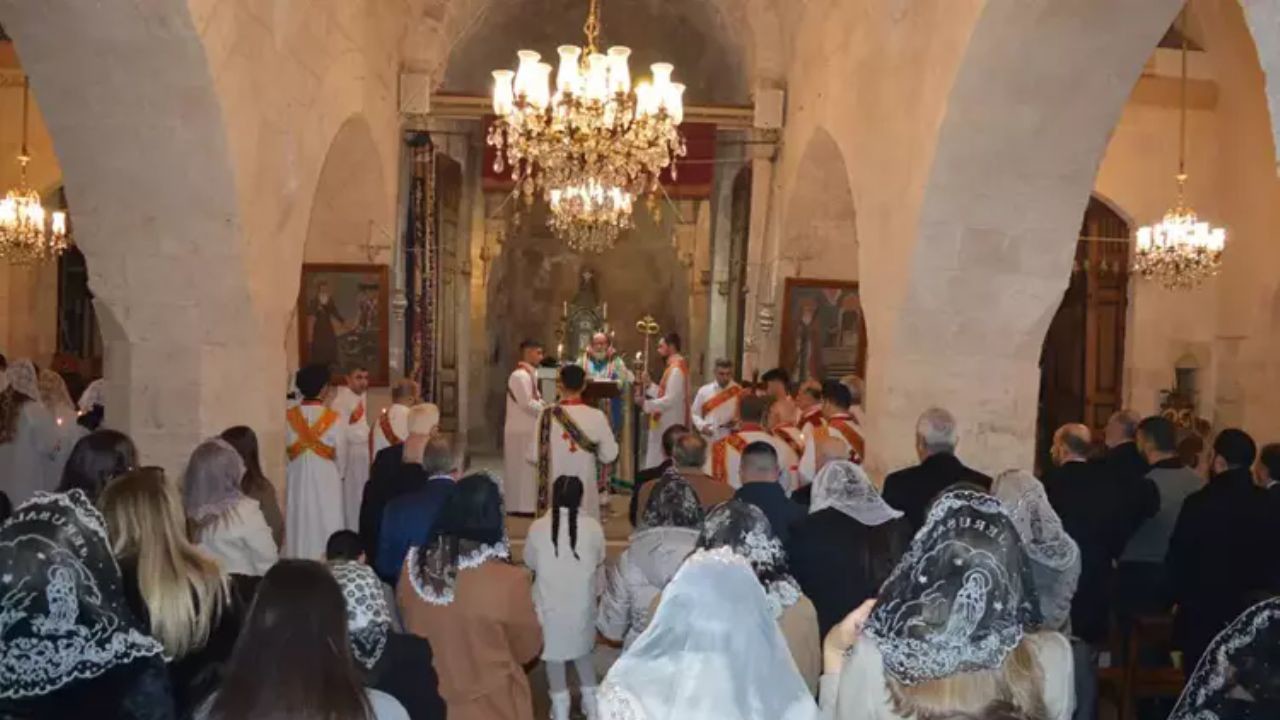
(1082, 361)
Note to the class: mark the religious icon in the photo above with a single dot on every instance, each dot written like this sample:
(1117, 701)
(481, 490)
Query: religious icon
(823, 330)
(342, 318)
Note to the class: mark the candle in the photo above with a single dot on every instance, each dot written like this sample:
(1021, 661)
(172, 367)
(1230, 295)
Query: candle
(564, 309)
(559, 349)
(604, 311)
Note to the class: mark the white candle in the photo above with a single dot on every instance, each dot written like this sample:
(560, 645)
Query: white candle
(604, 310)
(564, 308)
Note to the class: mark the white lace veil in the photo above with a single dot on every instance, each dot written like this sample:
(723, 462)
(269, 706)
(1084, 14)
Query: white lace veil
(961, 596)
(844, 485)
(1041, 529)
(1239, 677)
(23, 378)
(63, 615)
(713, 650)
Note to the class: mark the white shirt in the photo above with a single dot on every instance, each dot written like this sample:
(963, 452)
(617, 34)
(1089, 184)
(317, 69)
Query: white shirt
(241, 540)
(714, 424)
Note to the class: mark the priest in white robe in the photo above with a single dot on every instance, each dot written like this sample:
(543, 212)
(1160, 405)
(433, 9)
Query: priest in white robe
(393, 425)
(666, 403)
(316, 443)
(29, 437)
(725, 457)
(838, 424)
(715, 407)
(524, 404)
(351, 402)
(572, 438)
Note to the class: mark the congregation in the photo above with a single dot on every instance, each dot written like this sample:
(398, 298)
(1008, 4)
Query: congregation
(767, 575)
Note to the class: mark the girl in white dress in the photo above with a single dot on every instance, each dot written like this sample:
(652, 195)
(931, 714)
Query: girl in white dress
(565, 551)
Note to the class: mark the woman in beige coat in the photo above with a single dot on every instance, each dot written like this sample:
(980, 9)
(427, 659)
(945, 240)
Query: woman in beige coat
(463, 595)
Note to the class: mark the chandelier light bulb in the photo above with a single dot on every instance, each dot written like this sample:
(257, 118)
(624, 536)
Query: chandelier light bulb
(619, 71)
(568, 79)
(504, 99)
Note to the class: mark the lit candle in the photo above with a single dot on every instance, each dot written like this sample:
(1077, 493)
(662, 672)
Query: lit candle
(559, 349)
(604, 311)
(564, 308)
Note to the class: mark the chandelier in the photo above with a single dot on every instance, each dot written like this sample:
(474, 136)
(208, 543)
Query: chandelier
(1180, 251)
(28, 233)
(590, 144)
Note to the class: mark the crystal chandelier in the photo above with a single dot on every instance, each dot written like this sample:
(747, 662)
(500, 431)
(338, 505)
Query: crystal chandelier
(591, 144)
(28, 233)
(1180, 251)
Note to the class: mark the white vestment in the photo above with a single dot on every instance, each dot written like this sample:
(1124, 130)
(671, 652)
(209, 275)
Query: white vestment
(724, 450)
(519, 485)
(671, 401)
(314, 486)
(353, 410)
(714, 424)
(28, 461)
(809, 463)
(567, 458)
(397, 418)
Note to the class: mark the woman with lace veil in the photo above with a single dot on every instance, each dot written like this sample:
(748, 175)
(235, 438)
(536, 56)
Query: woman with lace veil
(29, 439)
(462, 593)
(398, 664)
(848, 544)
(667, 532)
(948, 635)
(744, 530)
(1055, 558)
(69, 646)
(1238, 678)
(712, 652)
(226, 523)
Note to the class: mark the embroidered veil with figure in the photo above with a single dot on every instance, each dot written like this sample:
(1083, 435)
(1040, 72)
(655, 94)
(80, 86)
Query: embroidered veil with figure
(744, 529)
(1238, 678)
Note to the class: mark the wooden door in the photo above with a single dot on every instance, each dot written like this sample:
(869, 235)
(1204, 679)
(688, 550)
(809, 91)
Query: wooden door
(739, 229)
(1082, 361)
(448, 222)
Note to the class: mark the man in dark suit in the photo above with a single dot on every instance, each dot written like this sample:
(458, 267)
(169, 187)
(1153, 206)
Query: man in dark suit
(401, 469)
(1222, 554)
(912, 490)
(669, 437)
(760, 475)
(1125, 464)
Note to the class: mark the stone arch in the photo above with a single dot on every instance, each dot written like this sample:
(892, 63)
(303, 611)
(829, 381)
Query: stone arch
(820, 218)
(1015, 159)
(154, 206)
(1263, 18)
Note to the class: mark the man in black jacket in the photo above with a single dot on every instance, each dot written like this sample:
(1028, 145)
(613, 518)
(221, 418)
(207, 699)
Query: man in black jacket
(912, 490)
(1125, 464)
(1222, 553)
(760, 476)
(402, 469)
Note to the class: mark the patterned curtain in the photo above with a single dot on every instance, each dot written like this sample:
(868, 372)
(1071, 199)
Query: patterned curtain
(422, 265)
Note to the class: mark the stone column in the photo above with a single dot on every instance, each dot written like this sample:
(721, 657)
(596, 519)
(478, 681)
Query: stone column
(762, 254)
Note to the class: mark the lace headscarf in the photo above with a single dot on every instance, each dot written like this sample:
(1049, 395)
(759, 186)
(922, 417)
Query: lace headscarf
(961, 596)
(845, 486)
(1239, 677)
(23, 378)
(672, 503)
(713, 644)
(95, 394)
(368, 617)
(470, 531)
(744, 529)
(1056, 555)
(54, 395)
(63, 614)
(211, 483)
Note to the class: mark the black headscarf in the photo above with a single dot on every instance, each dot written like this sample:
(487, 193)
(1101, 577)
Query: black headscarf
(471, 529)
(672, 503)
(744, 529)
(1239, 677)
(961, 596)
(63, 614)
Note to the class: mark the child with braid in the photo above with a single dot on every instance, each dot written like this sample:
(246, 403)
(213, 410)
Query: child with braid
(565, 550)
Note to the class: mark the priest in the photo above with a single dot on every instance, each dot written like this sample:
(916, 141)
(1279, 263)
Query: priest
(350, 401)
(726, 453)
(601, 362)
(572, 438)
(715, 407)
(393, 426)
(524, 403)
(666, 403)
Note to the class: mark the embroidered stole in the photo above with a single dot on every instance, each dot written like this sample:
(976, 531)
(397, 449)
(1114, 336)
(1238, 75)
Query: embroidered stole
(389, 432)
(730, 393)
(677, 363)
(533, 381)
(572, 432)
(812, 418)
(857, 446)
(720, 456)
(792, 436)
(311, 437)
(357, 415)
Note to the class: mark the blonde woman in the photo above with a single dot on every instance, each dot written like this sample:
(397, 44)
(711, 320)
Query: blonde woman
(225, 522)
(172, 587)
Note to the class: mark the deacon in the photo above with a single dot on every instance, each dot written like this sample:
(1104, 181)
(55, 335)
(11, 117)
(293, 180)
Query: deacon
(715, 407)
(726, 453)
(393, 426)
(809, 402)
(351, 403)
(316, 446)
(782, 411)
(524, 403)
(836, 401)
(572, 438)
(666, 403)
